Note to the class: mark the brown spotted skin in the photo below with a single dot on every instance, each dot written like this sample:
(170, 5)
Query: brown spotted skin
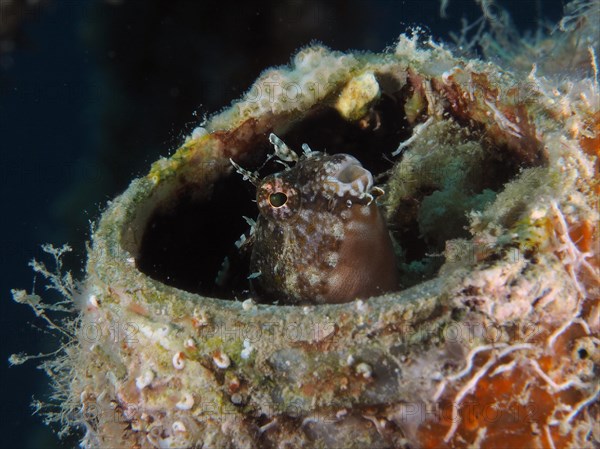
(320, 237)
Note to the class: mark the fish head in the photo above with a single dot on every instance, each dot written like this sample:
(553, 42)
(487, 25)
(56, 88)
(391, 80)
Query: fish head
(320, 236)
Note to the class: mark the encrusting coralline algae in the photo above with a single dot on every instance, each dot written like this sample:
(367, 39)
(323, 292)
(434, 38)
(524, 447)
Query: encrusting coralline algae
(491, 338)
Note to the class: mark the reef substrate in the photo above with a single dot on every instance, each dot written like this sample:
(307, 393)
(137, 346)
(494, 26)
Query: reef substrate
(491, 197)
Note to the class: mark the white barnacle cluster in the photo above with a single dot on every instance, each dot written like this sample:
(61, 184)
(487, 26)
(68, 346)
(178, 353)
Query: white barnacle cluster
(174, 437)
(221, 360)
(197, 133)
(178, 360)
(364, 370)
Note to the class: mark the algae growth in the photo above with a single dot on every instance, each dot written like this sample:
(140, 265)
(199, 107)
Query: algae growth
(492, 203)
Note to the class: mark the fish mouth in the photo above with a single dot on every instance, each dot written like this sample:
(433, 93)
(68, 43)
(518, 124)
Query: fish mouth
(351, 178)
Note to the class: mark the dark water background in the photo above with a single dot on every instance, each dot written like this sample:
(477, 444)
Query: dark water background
(95, 90)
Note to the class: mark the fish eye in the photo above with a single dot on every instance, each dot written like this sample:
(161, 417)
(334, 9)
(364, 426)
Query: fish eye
(278, 199)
